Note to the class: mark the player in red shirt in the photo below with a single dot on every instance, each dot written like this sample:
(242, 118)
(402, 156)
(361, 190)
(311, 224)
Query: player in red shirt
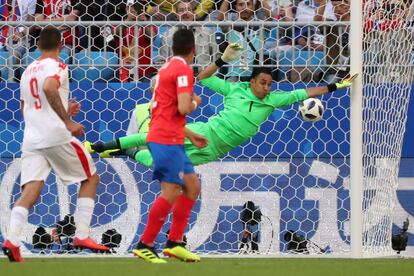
(173, 99)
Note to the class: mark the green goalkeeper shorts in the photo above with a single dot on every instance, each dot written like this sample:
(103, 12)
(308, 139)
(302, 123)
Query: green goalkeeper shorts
(204, 155)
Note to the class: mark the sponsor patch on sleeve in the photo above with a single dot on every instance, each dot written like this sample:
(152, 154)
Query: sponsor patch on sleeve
(182, 81)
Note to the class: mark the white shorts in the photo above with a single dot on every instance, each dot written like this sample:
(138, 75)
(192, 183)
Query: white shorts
(71, 162)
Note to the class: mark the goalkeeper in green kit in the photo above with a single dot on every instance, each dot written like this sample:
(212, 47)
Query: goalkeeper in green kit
(246, 106)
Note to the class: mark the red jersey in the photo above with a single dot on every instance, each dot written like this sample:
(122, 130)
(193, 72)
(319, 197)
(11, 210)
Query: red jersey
(167, 124)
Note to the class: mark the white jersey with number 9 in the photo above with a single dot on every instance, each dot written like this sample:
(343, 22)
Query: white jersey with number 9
(43, 127)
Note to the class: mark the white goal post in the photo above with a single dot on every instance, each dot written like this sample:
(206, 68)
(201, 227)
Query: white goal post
(356, 164)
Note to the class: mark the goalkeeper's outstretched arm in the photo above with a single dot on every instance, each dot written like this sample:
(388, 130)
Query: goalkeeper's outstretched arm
(232, 52)
(318, 91)
(207, 72)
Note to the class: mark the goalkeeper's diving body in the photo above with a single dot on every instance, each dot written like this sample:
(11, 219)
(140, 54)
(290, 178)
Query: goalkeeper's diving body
(246, 106)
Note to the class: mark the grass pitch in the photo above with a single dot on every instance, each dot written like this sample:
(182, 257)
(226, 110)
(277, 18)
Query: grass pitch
(208, 266)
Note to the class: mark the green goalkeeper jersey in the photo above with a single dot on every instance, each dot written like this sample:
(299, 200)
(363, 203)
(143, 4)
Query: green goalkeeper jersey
(243, 112)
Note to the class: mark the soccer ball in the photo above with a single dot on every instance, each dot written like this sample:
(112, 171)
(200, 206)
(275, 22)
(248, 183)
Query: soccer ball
(311, 110)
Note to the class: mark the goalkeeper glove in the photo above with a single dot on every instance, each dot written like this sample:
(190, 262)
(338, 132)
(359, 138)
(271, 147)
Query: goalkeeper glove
(346, 82)
(342, 84)
(232, 52)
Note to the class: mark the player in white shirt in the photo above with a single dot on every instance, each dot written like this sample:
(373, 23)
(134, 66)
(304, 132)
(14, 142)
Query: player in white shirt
(49, 143)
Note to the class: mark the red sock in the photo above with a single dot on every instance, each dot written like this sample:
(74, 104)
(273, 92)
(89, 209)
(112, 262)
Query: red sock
(180, 213)
(156, 218)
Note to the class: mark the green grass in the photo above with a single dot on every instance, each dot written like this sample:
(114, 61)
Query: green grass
(208, 266)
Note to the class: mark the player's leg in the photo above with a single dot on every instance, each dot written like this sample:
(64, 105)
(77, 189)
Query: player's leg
(182, 208)
(159, 211)
(181, 211)
(35, 170)
(18, 219)
(168, 169)
(78, 167)
(83, 214)
(156, 219)
(126, 142)
(143, 156)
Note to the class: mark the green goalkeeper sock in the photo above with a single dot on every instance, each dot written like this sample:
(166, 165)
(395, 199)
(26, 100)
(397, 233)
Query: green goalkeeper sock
(126, 142)
(133, 141)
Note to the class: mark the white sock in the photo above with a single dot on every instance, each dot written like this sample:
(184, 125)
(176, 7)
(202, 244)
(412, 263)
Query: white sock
(18, 219)
(83, 216)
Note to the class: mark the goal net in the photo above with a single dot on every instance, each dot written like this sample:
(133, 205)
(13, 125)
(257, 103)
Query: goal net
(285, 191)
(388, 75)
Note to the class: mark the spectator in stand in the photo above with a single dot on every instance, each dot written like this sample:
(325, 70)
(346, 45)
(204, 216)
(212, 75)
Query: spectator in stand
(280, 10)
(311, 37)
(206, 47)
(387, 39)
(248, 37)
(17, 10)
(262, 10)
(387, 15)
(161, 10)
(135, 12)
(342, 9)
(296, 2)
(98, 37)
(16, 39)
(337, 43)
(59, 10)
(280, 38)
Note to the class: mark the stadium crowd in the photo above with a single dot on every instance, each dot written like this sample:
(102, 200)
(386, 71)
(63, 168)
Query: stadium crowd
(301, 52)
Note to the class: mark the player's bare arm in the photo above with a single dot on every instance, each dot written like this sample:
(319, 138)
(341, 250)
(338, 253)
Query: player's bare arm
(196, 139)
(196, 99)
(207, 72)
(74, 107)
(51, 89)
(186, 104)
(22, 107)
